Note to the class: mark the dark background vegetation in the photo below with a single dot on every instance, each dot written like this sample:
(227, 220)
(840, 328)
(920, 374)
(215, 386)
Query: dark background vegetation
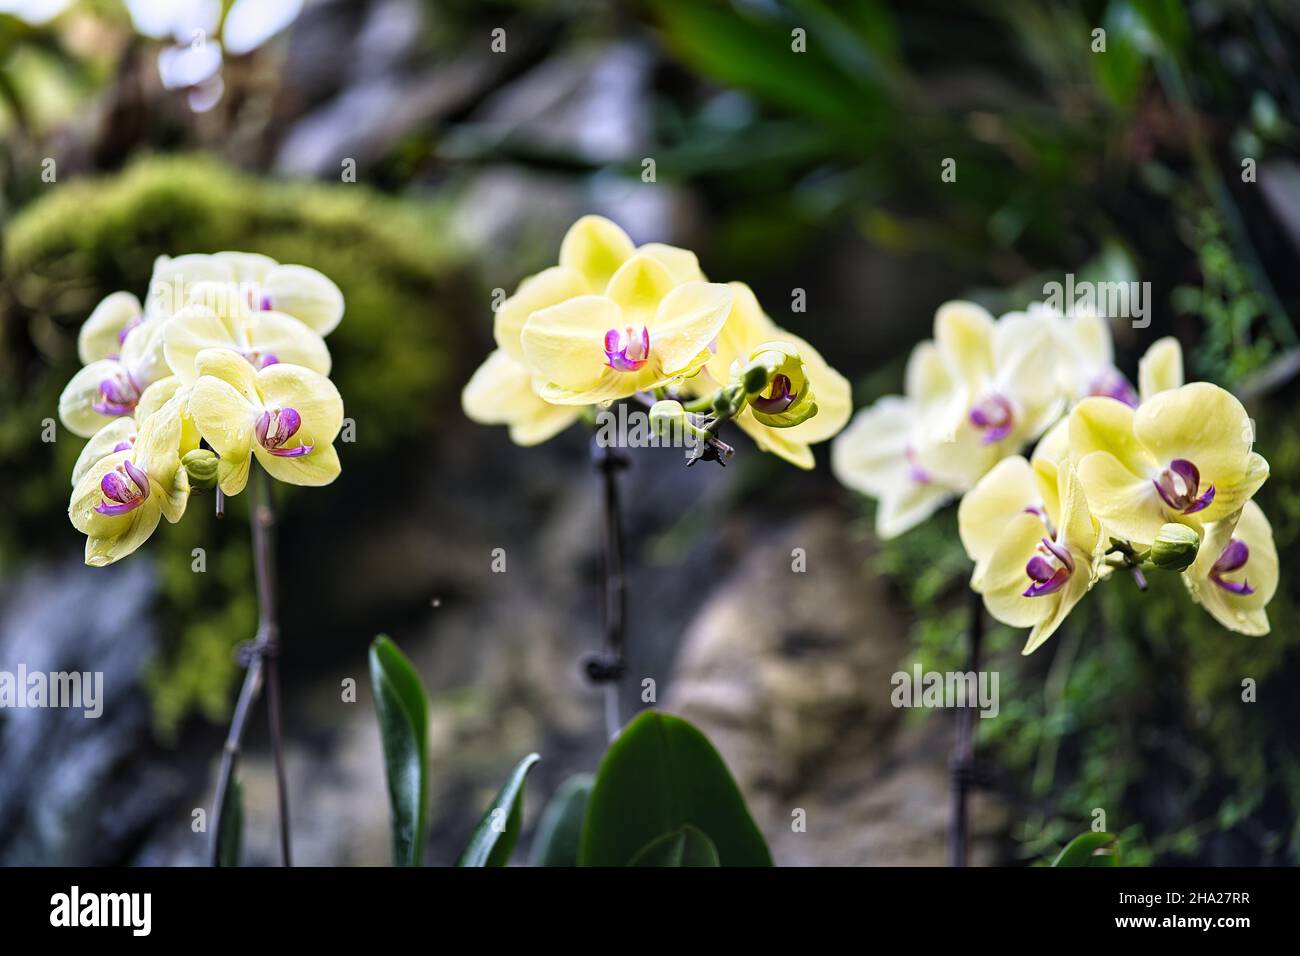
(818, 171)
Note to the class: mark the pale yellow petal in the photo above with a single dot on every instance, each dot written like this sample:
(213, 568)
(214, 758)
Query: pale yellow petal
(1161, 368)
(231, 368)
(547, 288)
(638, 287)
(1203, 424)
(904, 509)
(687, 321)
(1002, 495)
(564, 344)
(964, 334)
(319, 467)
(305, 294)
(595, 247)
(682, 263)
(101, 333)
(224, 418)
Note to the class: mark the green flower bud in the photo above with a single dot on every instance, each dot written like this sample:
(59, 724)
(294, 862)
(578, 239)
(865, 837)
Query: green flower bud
(201, 466)
(666, 415)
(785, 397)
(1175, 548)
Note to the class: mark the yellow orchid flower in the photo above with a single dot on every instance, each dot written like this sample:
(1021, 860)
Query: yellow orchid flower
(645, 331)
(1008, 371)
(504, 389)
(501, 393)
(109, 388)
(886, 450)
(118, 500)
(1236, 571)
(747, 329)
(285, 416)
(1183, 456)
(105, 330)
(263, 338)
(1031, 569)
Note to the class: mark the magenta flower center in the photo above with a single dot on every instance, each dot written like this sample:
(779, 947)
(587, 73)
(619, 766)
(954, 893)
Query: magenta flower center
(1049, 569)
(628, 350)
(1179, 485)
(125, 488)
(993, 415)
(275, 428)
(778, 399)
(118, 394)
(1233, 558)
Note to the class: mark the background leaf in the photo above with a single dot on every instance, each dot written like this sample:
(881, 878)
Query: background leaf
(560, 829)
(685, 846)
(490, 846)
(403, 712)
(658, 775)
(1082, 849)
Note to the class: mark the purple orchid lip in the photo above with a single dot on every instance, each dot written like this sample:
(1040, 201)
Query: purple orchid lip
(626, 351)
(779, 399)
(118, 394)
(995, 416)
(1112, 384)
(1178, 486)
(265, 303)
(274, 429)
(915, 471)
(1049, 570)
(1233, 558)
(127, 495)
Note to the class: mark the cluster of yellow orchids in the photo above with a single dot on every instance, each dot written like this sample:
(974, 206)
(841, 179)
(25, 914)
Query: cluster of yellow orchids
(1158, 476)
(613, 320)
(224, 365)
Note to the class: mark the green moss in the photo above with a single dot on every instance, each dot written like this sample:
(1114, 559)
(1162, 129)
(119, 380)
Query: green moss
(392, 357)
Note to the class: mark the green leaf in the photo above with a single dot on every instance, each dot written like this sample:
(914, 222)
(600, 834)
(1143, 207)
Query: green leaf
(685, 846)
(556, 841)
(658, 775)
(403, 712)
(230, 831)
(1082, 850)
(498, 831)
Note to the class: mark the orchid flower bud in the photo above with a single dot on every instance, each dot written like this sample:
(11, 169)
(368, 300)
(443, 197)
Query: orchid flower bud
(784, 397)
(201, 466)
(1175, 547)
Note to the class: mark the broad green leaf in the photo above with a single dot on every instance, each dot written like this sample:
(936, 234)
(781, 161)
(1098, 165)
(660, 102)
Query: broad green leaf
(558, 831)
(1082, 850)
(403, 712)
(498, 831)
(658, 775)
(685, 846)
(230, 829)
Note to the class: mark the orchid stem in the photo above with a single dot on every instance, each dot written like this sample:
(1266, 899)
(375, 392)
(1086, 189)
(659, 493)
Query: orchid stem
(962, 763)
(607, 669)
(263, 659)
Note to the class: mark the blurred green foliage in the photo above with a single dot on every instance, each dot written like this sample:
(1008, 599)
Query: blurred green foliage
(89, 237)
